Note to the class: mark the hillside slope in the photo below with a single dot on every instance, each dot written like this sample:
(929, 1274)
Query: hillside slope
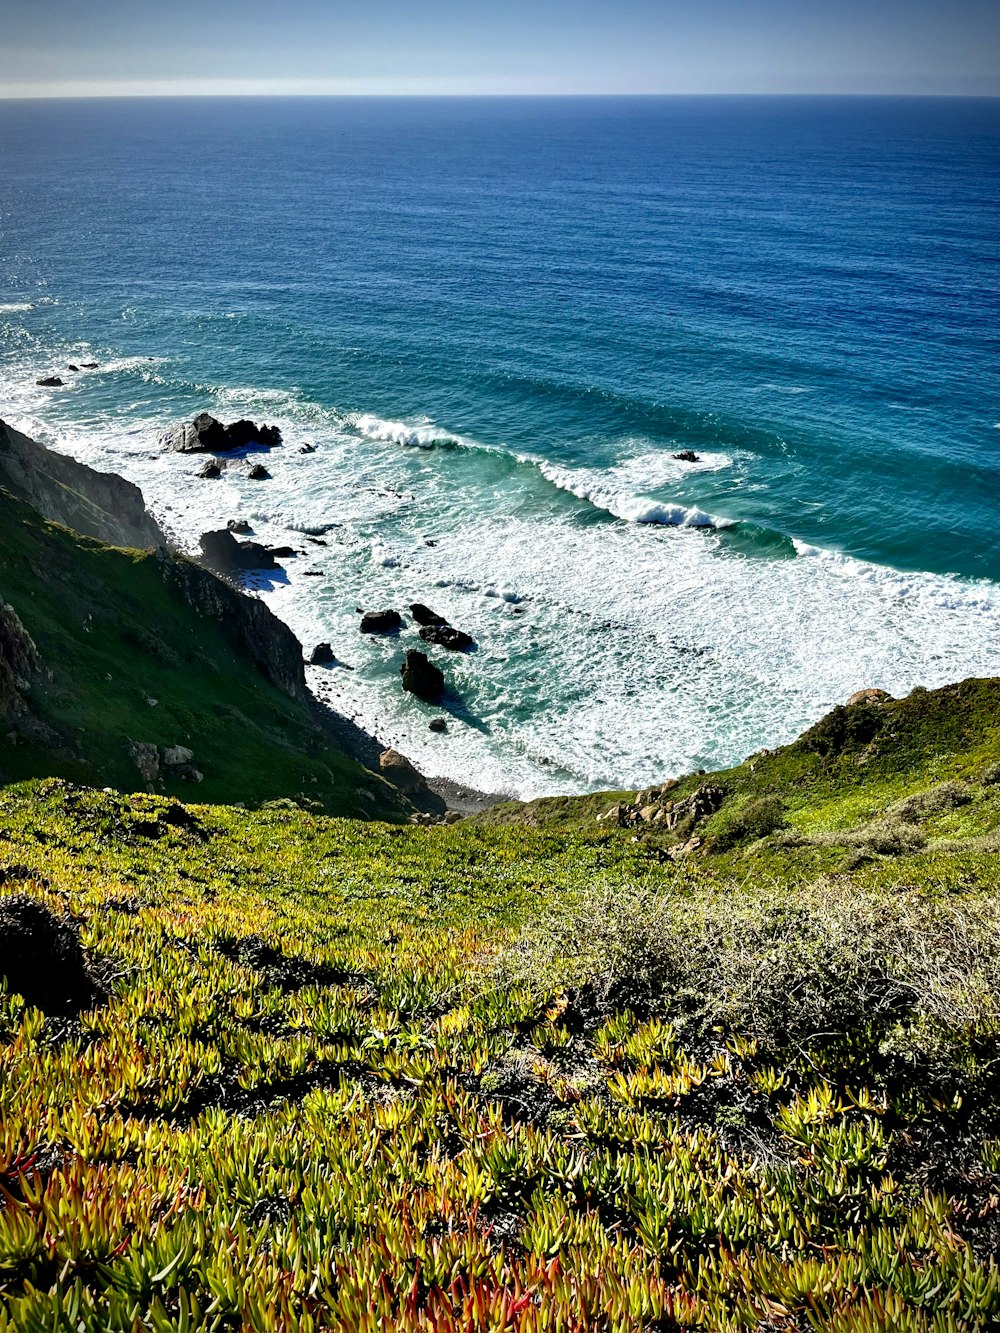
(318, 1074)
(139, 657)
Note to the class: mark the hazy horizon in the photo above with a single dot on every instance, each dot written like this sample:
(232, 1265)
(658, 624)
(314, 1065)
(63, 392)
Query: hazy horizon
(132, 48)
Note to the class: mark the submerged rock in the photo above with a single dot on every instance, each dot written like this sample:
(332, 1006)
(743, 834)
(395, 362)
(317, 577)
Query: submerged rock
(50, 382)
(258, 473)
(687, 456)
(446, 636)
(421, 677)
(381, 622)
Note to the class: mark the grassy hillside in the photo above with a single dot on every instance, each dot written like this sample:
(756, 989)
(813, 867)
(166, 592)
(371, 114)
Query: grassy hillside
(354, 1076)
(128, 660)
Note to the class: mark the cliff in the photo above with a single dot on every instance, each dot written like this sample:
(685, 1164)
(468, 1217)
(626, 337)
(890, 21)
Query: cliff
(97, 504)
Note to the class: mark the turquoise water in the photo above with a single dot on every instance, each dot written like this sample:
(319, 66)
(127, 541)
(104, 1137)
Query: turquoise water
(498, 321)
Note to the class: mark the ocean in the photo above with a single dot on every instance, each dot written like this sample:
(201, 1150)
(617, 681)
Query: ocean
(497, 321)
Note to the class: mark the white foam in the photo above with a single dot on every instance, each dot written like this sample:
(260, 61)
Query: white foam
(423, 435)
(607, 655)
(16, 307)
(598, 489)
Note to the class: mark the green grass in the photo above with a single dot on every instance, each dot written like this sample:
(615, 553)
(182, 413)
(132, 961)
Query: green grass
(113, 637)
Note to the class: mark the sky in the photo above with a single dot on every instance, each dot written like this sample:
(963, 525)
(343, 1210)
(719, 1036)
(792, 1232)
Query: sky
(164, 47)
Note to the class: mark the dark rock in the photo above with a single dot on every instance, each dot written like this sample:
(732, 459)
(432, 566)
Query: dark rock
(322, 655)
(258, 473)
(76, 369)
(686, 456)
(42, 958)
(205, 434)
(50, 382)
(307, 448)
(222, 552)
(446, 636)
(211, 471)
(423, 615)
(438, 724)
(421, 677)
(282, 552)
(98, 504)
(381, 622)
(88, 365)
(239, 525)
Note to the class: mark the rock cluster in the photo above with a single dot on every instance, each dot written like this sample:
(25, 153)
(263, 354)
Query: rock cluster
(221, 551)
(686, 456)
(164, 763)
(656, 809)
(207, 435)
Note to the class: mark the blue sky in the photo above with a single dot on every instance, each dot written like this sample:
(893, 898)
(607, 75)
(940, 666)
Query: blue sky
(78, 47)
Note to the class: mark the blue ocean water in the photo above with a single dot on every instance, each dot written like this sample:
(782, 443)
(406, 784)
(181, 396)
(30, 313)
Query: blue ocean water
(498, 320)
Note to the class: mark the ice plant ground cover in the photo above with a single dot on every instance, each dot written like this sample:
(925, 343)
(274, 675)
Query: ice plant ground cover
(345, 1075)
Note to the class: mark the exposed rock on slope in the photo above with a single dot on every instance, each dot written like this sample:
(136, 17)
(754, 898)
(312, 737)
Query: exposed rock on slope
(19, 662)
(98, 504)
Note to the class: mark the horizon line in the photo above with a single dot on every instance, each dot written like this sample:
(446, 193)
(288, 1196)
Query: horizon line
(160, 94)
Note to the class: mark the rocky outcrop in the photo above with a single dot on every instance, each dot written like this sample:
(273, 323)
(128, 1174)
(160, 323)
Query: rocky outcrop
(421, 677)
(870, 696)
(258, 473)
(381, 622)
(222, 552)
(655, 808)
(398, 770)
(50, 382)
(248, 624)
(686, 456)
(98, 504)
(322, 655)
(19, 663)
(207, 435)
(163, 763)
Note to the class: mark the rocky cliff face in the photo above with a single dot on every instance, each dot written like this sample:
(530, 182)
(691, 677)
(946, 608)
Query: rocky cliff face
(19, 662)
(98, 504)
(252, 629)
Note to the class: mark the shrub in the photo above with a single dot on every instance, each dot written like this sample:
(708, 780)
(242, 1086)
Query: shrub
(750, 822)
(829, 968)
